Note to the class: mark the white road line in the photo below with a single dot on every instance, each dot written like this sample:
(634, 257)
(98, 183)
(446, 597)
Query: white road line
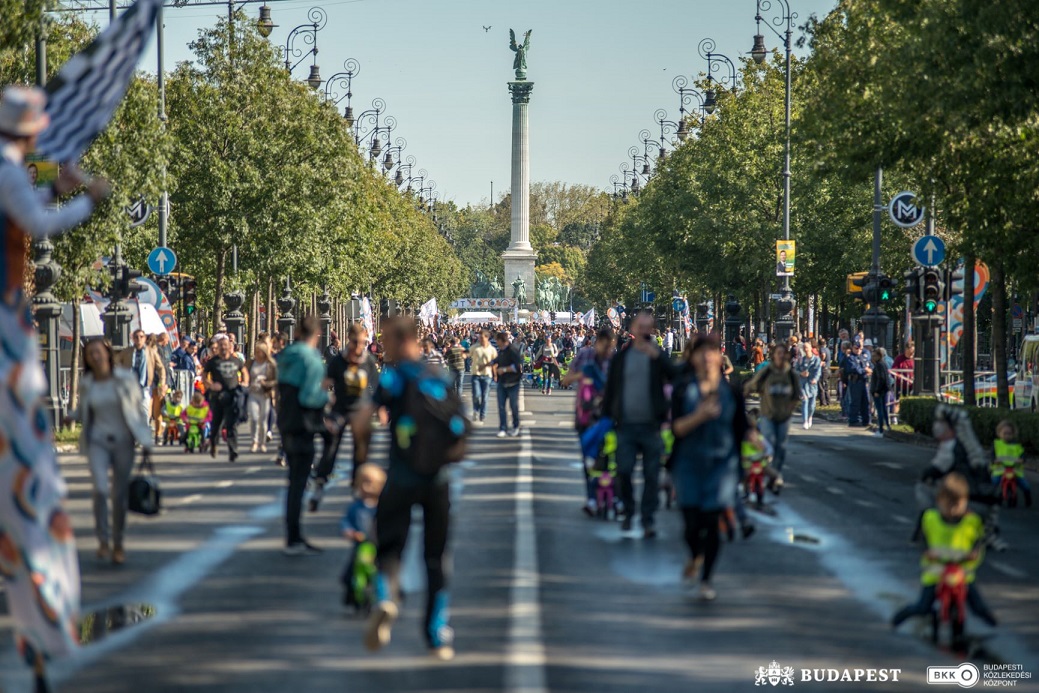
(190, 499)
(525, 653)
(227, 483)
(889, 465)
(835, 491)
(902, 518)
(1007, 570)
(865, 503)
(809, 479)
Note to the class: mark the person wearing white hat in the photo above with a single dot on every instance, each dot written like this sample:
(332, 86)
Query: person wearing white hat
(37, 549)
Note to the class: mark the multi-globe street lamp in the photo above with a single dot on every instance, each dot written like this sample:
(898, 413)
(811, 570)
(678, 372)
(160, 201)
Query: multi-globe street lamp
(785, 303)
(715, 61)
(343, 80)
(308, 32)
(668, 127)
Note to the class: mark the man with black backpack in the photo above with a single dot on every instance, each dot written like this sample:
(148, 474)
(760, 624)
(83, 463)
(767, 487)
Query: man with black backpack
(427, 432)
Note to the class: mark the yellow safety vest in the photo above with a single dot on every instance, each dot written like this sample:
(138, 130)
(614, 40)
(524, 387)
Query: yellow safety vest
(953, 542)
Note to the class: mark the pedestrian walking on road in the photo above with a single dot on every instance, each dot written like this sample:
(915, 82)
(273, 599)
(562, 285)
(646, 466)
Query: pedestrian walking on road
(548, 356)
(483, 355)
(430, 354)
(404, 387)
(508, 370)
(634, 398)
(224, 375)
(780, 390)
(302, 397)
(456, 356)
(113, 423)
(824, 371)
(809, 368)
(709, 422)
(263, 380)
(589, 370)
(352, 375)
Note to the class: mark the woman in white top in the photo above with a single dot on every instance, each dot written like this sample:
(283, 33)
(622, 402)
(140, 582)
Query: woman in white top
(263, 379)
(112, 415)
(548, 356)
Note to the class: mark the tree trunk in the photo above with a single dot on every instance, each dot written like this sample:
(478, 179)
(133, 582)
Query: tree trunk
(998, 286)
(218, 290)
(967, 342)
(74, 365)
(254, 317)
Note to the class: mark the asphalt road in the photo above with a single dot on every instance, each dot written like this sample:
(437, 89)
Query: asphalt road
(544, 599)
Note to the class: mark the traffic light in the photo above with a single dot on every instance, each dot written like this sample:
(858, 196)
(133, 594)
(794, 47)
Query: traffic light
(170, 286)
(701, 310)
(188, 295)
(552, 315)
(953, 282)
(128, 284)
(861, 287)
(885, 288)
(912, 288)
(933, 290)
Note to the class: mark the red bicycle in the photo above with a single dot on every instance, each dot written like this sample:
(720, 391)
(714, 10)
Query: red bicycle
(1008, 486)
(754, 483)
(951, 598)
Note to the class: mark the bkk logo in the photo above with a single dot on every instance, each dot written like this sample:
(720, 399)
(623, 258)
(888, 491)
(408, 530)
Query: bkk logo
(777, 675)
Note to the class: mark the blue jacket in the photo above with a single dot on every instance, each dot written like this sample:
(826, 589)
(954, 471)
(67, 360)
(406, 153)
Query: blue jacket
(301, 394)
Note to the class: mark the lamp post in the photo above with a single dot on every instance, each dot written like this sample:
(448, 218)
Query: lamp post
(369, 116)
(715, 61)
(308, 32)
(343, 80)
(389, 161)
(324, 315)
(375, 137)
(785, 322)
(286, 304)
(667, 127)
(686, 94)
(638, 158)
(620, 187)
(647, 140)
(406, 165)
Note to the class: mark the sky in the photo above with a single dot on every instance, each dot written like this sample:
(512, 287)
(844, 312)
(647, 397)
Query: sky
(600, 69)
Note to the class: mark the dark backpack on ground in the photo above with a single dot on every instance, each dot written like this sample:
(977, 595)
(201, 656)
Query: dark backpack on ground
(433, 423)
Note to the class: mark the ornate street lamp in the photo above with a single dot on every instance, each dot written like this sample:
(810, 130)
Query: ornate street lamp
(686, 95)
(265, 25)
(668, 127)
(371, 116)
(389, 161)
(644, 135)
(308, 32)
(715, 61)
(786, 303)
(343, 80)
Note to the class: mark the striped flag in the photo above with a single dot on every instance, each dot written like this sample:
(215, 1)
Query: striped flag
(83, 96)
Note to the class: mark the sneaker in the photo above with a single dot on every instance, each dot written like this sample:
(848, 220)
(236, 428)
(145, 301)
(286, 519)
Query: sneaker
(649, 533)
(316, 495)
(118, 555)
(445, 653)
(296, 549)
(378, 630)
(706, 593)
(878, 434)
(590, 507)
(805, 425)
(232, 457)
(747, 530)
(810, 421)
(270, 436)
(502, 434)
(263, 449)
(514, 433)
(103, 552)
(481, 418)
(254, 447)
(626, 525)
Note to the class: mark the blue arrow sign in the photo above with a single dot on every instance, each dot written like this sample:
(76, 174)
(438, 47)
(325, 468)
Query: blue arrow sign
(162, 261)
(929, 251)
(679, 305)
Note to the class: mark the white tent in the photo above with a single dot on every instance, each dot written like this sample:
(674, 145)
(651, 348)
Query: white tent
(90, 321)
(477, 316)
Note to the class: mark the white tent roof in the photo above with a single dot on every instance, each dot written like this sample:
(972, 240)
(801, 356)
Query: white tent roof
(477, 316)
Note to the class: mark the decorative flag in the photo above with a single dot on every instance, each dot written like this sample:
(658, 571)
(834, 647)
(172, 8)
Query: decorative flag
(614, 317)
(428, 312)
(366, 317)
(589, 318)
(83, 96)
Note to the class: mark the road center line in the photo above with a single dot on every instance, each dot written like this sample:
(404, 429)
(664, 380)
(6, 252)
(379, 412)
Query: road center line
(525, 652)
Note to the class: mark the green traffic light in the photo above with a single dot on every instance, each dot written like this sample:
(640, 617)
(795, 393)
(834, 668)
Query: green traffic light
(885, 295)
(930, 306)
(189, 310)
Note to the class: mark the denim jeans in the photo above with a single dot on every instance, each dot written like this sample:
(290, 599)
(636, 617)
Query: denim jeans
(481, 391)
(631, 440)
(510, 393)
(807, 408)
(880, 404)
(776, 433)
(456, 379)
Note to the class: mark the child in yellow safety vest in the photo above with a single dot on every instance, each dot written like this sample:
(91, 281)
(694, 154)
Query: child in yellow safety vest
(954, 535)
(1009, 454)
(197, 416)
(172, 412)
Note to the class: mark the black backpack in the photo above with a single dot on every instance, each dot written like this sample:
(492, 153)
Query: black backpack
(432, 429)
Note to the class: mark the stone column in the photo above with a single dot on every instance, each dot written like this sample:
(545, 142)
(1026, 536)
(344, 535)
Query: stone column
(286, 304)
(47, 311)
(234, 320)
(520, 256)
(324, 308)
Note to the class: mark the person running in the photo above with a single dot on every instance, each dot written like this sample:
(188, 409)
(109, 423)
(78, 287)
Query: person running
(482, 355)
(634, 398)
(406, 487)
(589, 368)
(780, 391)
(709, 422)
(508, 370)
(302, 397)
(352, 374)
(224, 374)
(42, 583)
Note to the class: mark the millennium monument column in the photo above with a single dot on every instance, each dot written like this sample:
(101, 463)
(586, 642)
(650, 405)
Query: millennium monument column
(520, 256)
